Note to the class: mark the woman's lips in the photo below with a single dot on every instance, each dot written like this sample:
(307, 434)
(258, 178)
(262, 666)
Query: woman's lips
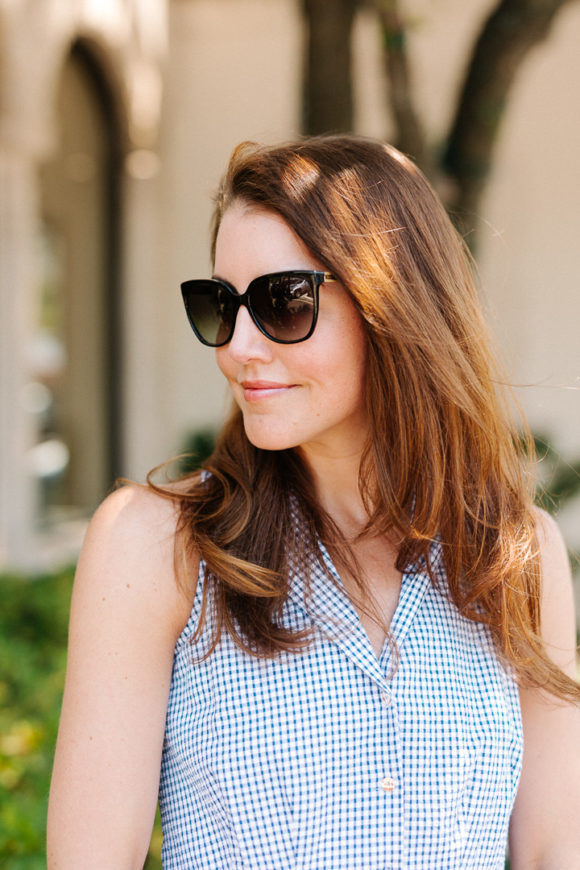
(256, 390)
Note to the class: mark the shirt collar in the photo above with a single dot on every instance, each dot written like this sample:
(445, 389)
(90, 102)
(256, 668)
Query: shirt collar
(325, 601)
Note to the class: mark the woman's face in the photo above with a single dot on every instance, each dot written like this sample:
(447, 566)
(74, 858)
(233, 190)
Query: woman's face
(308, 395)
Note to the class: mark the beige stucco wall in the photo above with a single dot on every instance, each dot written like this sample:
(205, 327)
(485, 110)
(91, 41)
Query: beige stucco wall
(531, 254)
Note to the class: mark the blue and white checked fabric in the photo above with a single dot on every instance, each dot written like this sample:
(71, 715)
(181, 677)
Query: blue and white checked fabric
(325, 760)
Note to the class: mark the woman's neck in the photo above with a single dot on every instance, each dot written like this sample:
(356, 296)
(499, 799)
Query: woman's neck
(336, 481)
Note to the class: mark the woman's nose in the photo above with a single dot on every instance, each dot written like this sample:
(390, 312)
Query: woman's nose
(248, 342)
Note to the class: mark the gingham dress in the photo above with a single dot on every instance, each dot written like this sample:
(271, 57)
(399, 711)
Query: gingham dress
(325, 760)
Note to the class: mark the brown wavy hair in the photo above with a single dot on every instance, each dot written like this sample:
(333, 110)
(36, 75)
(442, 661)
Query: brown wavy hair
(444, 458)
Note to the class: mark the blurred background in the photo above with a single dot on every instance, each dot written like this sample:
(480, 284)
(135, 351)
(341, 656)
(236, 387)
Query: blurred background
(117, 118)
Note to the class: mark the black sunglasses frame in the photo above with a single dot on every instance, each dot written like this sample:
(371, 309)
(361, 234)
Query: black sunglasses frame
(314, 277)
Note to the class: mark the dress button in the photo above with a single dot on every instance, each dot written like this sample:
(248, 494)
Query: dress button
(386, 698)
(388, 784)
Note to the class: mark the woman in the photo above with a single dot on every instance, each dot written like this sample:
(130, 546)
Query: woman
(349, 642)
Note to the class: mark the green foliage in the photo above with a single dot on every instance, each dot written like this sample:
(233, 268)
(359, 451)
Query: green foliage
(559, 481)
(33, 630)
(197, 447)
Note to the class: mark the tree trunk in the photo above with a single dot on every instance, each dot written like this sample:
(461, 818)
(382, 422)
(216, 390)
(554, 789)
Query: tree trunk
(328, 103)
(514, 28)
(409, 136)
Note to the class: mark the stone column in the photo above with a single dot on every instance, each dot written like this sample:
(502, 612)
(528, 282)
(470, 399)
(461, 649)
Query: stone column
(18, 244)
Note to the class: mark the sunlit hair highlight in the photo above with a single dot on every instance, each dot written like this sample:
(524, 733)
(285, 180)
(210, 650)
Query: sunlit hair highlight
(443, 459)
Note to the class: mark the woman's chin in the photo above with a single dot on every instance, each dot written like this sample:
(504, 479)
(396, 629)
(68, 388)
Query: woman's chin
(267, 438)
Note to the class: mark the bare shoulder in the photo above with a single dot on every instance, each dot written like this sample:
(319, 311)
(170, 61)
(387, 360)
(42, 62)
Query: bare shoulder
(557, 608)
(544, 828)
(549, 536)
(134, 514)
(557, 575)
(129, 554)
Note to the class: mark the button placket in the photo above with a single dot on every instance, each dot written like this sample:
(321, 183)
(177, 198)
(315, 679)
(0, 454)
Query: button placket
(388, 784)
(386, 697)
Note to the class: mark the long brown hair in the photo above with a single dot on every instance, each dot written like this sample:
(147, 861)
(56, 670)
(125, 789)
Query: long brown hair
(443, 459)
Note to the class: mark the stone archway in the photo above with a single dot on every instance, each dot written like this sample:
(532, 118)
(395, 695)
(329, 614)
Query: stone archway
(76, 382)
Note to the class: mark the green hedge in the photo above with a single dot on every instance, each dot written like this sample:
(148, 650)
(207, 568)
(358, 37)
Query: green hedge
(33, 628)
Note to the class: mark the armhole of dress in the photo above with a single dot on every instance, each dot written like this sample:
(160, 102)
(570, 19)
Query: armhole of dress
(196, 609)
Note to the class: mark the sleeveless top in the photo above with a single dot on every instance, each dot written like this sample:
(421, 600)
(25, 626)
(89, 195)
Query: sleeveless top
(334, 759)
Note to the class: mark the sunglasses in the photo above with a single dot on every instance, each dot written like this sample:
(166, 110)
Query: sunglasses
(283, 305)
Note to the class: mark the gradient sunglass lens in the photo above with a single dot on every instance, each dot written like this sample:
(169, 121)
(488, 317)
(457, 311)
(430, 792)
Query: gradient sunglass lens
(211, 310)
(283, 305)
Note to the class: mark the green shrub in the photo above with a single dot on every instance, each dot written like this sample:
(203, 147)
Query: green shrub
(559, 481)
(196, 448)
(33, 630)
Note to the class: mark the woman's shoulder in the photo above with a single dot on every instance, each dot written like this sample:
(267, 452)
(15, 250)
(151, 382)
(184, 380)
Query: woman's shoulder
(557, 604)
(553, 552)
(130, 545)
(548, 532)
(134, 522)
